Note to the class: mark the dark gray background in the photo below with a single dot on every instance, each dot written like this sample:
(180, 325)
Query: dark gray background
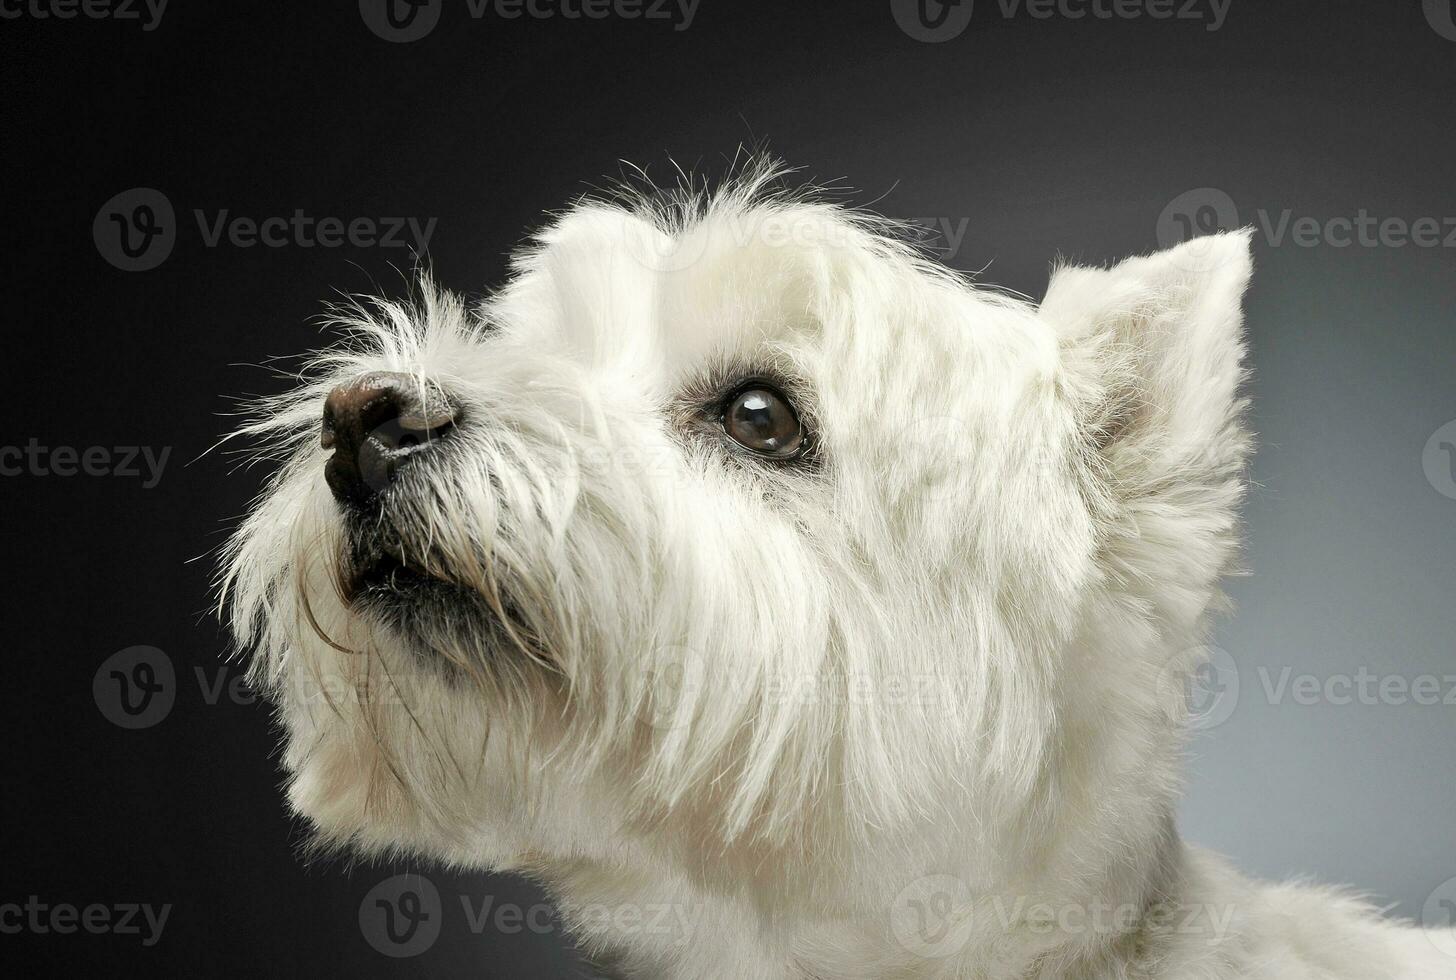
(1044, 136)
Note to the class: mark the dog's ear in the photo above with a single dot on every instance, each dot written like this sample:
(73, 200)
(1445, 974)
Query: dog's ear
(1153, 350)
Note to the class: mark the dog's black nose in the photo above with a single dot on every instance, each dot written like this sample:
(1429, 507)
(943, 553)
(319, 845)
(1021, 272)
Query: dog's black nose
(375, 423)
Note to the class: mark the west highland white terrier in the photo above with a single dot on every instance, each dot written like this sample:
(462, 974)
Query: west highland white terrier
(737, 560)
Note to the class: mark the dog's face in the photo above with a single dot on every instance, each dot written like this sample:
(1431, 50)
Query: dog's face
(753, 541)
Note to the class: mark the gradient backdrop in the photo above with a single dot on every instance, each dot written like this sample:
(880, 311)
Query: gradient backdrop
(1024, 136)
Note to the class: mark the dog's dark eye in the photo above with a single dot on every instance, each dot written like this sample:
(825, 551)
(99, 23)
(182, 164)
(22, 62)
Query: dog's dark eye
(759, 418)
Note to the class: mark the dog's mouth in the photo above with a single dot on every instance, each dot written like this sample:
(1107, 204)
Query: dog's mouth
(376, 573)
(420, 599)
(388, 574)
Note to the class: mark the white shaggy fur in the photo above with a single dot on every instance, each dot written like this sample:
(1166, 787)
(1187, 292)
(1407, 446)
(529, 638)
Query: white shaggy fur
(904, 712)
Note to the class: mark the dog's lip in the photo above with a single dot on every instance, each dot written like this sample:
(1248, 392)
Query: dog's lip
(387, 570)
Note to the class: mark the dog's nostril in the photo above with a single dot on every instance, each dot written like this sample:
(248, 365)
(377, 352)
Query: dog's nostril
(373, 424)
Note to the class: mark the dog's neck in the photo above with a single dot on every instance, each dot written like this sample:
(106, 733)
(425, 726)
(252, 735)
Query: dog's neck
(661, 926)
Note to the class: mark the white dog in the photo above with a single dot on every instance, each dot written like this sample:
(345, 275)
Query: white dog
(737, 562)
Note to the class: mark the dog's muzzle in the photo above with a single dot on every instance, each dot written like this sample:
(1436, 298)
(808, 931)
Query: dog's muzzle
(377, 423)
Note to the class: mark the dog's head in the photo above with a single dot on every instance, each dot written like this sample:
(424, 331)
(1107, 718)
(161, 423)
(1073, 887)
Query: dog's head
(739, 531)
